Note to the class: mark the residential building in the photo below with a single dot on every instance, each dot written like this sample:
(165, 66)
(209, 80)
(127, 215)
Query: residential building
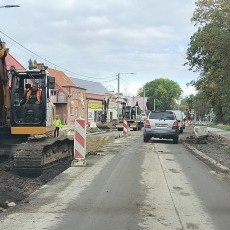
(12, 62)
(137, 99)
(96, 94)
(68, 98)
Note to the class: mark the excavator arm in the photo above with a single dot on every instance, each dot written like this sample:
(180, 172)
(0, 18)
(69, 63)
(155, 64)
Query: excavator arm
(4, 87)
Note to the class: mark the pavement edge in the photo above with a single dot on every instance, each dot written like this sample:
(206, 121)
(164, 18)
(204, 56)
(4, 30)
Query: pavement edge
(206, 158)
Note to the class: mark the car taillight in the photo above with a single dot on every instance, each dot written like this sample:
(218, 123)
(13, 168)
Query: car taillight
(147, 123)
(175, 125)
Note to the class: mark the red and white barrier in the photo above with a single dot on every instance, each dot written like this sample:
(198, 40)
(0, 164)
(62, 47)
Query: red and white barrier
(125, 127)
(79, 143)
(188, 123)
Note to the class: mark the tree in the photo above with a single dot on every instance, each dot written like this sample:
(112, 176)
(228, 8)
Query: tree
(208, 54)
(163, 92)
(30, 66)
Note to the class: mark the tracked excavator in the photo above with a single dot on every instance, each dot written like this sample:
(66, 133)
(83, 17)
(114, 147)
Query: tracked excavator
(26, 130)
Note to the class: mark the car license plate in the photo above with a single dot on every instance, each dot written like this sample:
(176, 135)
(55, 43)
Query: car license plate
(161, 125)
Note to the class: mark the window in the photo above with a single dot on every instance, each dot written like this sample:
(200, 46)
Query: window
(71, 110)
(162, 115)
(53, 92)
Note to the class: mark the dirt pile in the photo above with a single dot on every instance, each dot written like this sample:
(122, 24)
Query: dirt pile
(214, 146)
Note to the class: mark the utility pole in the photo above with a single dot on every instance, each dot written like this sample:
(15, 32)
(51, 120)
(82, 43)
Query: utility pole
(118, 91)
(144, 99)
(118, 84)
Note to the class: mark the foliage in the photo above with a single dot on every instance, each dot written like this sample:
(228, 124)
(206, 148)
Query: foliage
(163, 92)
(221, 126)
(32, 64)
(208, 54)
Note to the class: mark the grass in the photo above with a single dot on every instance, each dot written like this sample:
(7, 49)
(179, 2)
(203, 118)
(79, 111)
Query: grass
(221, 126)
(226, 149)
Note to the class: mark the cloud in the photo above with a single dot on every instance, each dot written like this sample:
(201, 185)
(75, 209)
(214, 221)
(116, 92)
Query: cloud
(97, 39)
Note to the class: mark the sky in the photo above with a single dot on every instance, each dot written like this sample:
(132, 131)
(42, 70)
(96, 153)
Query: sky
(96, 40)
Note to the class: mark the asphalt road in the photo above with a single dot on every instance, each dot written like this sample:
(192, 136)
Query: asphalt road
(131, 186)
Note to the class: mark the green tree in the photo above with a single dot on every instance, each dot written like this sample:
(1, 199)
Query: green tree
(35, 64)
(200, 105)
(208, 54)
(30, 64)
(188, 103)
(163, 92)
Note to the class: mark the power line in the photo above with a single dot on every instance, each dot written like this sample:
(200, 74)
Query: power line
(53, 64)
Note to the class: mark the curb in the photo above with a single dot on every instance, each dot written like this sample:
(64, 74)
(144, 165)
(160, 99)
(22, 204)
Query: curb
(203, 156)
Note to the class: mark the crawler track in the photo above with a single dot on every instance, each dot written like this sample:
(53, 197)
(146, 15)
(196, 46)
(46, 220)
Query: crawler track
(32, 157)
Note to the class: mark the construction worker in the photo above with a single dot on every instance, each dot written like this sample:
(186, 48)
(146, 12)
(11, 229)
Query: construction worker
(58, 125)
(33, 95)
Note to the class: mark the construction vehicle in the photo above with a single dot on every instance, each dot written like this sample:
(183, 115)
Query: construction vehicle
(132, 114)
(26, 130)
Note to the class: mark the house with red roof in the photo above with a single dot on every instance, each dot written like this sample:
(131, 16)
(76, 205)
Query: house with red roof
(69, 99)
(11, 61)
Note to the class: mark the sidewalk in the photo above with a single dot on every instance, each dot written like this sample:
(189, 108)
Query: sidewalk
(216, 153)
(220, 132)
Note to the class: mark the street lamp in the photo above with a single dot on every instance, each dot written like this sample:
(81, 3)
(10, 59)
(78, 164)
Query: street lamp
(9, 6)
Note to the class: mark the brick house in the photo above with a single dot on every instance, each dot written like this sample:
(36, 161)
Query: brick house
(69, 99)
(95, 95)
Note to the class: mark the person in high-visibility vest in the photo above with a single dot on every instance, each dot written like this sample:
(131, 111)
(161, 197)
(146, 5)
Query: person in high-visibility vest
(58, 124)
(34, 95)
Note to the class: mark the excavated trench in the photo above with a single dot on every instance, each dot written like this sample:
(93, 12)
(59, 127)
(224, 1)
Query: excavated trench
(15, 188)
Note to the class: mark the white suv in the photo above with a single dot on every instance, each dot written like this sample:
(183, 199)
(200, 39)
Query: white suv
(161, 124)
(180, 118)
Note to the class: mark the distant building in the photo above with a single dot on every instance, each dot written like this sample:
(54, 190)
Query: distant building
(96, 93)
(141, 102)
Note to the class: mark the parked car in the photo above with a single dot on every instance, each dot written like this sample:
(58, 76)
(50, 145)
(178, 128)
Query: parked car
(180, 118)
(161, 124)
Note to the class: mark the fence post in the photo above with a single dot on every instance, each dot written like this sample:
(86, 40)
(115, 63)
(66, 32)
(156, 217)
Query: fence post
(79, 143)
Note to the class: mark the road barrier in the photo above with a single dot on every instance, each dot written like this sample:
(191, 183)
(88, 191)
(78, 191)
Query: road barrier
(200, 131)
(125, 127)
(188, 122)
(79, 143)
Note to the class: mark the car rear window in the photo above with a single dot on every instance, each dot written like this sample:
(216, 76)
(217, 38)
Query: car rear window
(162, 115)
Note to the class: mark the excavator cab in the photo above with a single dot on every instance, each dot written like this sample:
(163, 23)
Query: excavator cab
(31, 107)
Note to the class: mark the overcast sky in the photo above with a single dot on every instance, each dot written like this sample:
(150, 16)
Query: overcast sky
(97, 39)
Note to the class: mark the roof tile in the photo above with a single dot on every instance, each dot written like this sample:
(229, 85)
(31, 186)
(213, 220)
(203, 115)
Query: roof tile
(11, 61)
(90, 86)
(61, 78)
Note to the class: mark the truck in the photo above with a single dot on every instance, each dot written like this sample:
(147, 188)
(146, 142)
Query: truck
(132, 114)
(26, 130)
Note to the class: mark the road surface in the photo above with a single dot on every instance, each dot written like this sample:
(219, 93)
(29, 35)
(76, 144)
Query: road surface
(130, 185)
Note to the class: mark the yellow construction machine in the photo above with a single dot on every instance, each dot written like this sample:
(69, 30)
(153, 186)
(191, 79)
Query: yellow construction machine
(26, 130)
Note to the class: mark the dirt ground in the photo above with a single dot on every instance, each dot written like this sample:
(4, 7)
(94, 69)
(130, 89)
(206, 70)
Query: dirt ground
(14, 188)
(214, 146)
